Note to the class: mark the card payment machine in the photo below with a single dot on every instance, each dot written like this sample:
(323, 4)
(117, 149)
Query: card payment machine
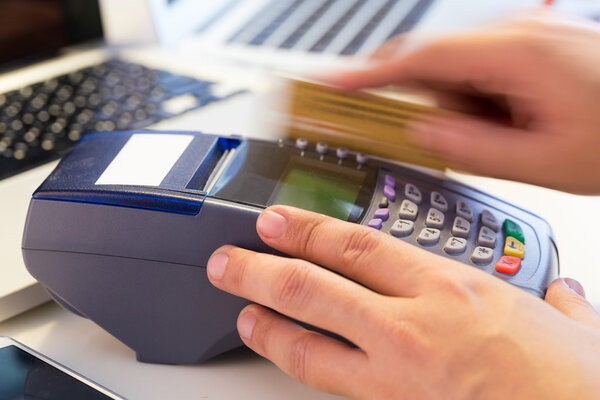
(121, 231)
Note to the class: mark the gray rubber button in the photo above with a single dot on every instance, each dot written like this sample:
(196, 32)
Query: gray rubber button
(486, 237)
(488, 219)
(361, 158)
(301, 143)
(438, 201)
(402, 227)
(321, 148)
(413, 193)
(463, 210)
(341, 153)
(408, 210)
(455, 245)
(429, 236)
(482, 255)
(435, 218)
(461, 227)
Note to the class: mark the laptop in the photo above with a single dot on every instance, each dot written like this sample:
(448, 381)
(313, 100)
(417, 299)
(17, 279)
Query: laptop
(48, 105)
(59, 81)
(299, 36)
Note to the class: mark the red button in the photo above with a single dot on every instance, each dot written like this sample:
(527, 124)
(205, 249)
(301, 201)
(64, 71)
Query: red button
(508, 265)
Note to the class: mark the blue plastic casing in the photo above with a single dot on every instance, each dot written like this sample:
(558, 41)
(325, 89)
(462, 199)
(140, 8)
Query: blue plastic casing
(95, 152)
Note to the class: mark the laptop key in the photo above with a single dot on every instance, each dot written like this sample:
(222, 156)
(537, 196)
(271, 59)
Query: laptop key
(40, 122)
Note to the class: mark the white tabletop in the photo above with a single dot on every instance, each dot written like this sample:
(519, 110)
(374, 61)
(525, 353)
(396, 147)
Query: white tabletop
(84, 347)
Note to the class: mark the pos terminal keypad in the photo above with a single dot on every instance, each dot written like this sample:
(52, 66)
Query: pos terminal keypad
(454, 224)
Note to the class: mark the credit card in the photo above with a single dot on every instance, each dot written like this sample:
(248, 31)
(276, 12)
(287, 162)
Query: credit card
(362, 122)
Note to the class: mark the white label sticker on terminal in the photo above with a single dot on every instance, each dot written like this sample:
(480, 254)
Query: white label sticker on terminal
(145, 160)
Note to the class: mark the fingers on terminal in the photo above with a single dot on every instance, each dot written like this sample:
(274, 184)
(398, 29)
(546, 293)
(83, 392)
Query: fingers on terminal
(365, 255)
(566, 295)
(297, 288)
(323, 240)
(309, 357)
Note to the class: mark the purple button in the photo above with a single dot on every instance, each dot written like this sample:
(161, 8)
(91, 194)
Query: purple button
(382, 213)
(375, 223)
(389, 192)
(390, 181)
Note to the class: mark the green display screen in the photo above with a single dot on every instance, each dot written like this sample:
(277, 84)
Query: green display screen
(324, 188)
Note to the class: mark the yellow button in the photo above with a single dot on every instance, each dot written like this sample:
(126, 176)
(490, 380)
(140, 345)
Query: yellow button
(514, 248)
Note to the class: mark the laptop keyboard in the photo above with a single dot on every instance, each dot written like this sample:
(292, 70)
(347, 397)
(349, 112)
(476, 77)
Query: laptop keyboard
(331, 26)
(41, 122)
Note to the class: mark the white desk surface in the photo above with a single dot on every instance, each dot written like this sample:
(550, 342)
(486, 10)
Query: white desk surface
(86, 348)
(81, 345)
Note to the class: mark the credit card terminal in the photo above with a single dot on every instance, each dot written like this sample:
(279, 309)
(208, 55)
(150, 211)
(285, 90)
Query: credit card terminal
(121, 231)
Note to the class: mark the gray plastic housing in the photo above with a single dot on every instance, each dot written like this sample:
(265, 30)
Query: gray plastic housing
(140, 273)
(151, 293)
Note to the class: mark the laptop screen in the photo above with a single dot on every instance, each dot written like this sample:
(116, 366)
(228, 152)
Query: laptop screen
(33, 29)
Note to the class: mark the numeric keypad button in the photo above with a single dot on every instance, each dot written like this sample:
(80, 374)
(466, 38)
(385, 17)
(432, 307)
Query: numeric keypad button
(402, 227)
(428, 236)
(482, 255)
(488, 219)
(435, 218)
(455, 245)
(413, 193)
(438, 201)
(461, 227)
(408, 210)
(486, 237)
(463, 210)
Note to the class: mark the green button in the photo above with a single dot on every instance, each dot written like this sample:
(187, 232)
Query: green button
(512, 229)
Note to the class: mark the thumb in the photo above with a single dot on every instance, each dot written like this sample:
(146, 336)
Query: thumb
(568, 297)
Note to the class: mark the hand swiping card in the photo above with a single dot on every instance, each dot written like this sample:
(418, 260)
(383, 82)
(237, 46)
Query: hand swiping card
(360, 121)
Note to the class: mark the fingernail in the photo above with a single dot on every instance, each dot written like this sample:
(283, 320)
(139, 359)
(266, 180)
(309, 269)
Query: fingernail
(216, 266)
(245, 325)
(573, 285)
(271, 225)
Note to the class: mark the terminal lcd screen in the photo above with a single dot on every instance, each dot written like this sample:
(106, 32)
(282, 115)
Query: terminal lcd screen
(309, 185)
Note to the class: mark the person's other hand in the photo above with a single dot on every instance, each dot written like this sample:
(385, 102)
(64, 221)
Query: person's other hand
(530, 88)
(426, 327)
